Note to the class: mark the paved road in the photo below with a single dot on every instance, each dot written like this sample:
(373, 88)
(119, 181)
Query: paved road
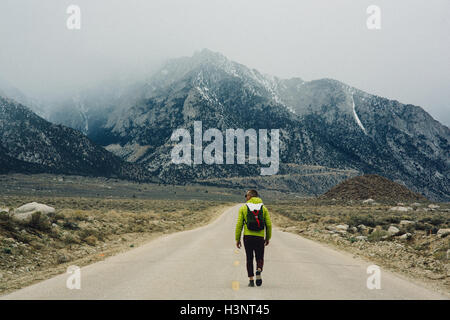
(203, 263)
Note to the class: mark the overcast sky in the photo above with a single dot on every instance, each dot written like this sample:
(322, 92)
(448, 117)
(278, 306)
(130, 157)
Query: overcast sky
(407, 59)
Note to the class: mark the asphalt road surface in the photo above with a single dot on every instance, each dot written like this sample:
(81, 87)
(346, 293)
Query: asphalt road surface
(205, 264)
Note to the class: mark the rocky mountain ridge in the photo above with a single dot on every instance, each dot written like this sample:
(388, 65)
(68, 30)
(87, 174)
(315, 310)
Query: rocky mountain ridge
(33, 145)
(322, 123)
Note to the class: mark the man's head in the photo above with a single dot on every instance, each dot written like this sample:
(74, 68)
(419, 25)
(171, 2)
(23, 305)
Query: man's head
(250, 194)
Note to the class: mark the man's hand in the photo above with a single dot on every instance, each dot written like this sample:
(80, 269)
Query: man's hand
(238, 244)
(266, 242)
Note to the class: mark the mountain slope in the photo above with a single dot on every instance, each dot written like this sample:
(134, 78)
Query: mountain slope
(9, 164)
(322, 122)
(371, 186)
(220, 98)
(32, 144)
(401, 142)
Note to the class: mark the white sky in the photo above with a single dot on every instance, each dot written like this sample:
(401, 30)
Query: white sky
(407, 60)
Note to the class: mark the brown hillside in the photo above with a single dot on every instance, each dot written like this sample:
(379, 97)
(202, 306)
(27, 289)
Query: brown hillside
(371, 186)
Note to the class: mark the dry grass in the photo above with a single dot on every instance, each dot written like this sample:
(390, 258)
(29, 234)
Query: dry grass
(424, 256)
(85, 230)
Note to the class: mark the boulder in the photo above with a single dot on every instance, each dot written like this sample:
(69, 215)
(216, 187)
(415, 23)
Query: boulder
(368, 200)
(31, 211)
(4, 209)
(443, 232)
(405, 236)
(393, 230)
(353, 229)
(400, 209)
(361, 238)
(433, 206)
(406, 222)
(35, 207)
(343, 227)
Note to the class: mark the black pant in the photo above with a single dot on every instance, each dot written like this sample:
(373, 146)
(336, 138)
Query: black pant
(256, 244)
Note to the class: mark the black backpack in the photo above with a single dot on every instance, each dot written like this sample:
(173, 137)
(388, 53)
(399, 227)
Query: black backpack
(255, 219)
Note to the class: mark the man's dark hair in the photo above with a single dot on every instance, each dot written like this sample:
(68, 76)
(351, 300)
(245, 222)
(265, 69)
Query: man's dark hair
(252, 193)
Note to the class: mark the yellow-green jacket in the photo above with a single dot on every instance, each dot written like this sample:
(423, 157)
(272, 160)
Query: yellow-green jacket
(243, 216)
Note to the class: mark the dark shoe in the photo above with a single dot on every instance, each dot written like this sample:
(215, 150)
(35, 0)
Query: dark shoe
(251, 283)
(258, 278)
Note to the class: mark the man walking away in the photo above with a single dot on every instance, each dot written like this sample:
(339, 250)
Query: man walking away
(255, 218)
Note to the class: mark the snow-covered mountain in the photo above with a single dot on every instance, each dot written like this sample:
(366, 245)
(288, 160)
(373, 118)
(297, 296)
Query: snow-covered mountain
(28, 143)
(323, 122)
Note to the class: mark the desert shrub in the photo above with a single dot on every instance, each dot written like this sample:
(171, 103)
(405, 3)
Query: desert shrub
(437, 221)
(422, 246)
(421, 226)
(58, 216)
(314, 219)
(426, 227)
(91, 240)
(22, 237)
(329, 220)
(292, 214)
(391, 219)
(407, 228)
(434, 220)
(71, 225)
(40, 222)
(35, 218)
(79, 216)
(85, 233)
(69, 238)
(440, 255)
(377, 235)
(410, 228)
(383, 220)
(4, 216)
(355, 220)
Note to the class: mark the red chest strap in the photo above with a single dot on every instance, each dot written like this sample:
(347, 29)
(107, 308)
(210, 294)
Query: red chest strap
(256, 213)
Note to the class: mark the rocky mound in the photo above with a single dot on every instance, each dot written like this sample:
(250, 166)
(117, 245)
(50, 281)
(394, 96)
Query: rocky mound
(371, 186)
